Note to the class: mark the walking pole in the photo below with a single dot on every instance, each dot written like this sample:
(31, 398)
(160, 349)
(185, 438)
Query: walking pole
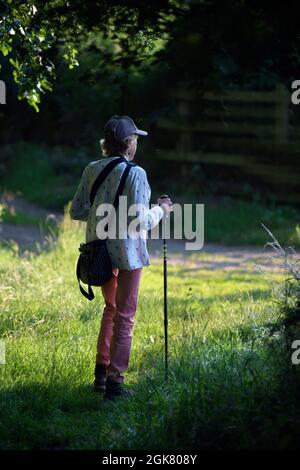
(165, 293)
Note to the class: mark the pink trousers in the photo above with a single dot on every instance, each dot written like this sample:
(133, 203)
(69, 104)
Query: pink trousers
(114, 341)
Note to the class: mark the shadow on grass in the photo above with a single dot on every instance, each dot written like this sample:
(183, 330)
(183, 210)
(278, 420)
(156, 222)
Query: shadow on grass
(38, 416)
(211, 401)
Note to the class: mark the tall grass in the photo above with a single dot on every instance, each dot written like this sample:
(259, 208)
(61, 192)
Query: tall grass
(225, 388)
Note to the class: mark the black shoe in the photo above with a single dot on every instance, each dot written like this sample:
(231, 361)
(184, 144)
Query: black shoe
(115, 389)
(100, 378)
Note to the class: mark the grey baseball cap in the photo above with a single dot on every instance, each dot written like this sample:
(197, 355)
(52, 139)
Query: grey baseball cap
(121, 127)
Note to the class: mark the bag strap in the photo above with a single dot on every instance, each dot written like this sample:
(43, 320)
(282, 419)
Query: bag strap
(88, 295)
(104, 173)
(129, 165)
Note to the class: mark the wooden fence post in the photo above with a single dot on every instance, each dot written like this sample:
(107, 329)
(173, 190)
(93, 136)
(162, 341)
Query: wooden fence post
(184, 141)
(281, 114)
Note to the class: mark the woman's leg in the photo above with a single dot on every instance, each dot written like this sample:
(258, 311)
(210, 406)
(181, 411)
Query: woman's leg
(106, 329)
(126, 305)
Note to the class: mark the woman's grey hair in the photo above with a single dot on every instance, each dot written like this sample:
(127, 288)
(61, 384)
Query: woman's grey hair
(111, 145)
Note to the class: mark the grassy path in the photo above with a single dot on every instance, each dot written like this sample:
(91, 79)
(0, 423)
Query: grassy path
(226, 386)
(34, 235)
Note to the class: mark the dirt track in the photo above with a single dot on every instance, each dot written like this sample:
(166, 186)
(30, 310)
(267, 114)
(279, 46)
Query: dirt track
(212, 256)
(26, 236)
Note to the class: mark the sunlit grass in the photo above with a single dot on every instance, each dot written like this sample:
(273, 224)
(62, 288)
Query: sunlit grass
(223, 376)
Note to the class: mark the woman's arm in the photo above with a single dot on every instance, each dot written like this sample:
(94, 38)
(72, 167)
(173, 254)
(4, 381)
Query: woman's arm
(80, 205)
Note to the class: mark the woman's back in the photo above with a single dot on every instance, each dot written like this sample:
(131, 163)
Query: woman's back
(125, 253)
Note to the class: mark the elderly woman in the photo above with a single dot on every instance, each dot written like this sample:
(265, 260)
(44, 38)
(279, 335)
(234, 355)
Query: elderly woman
(128, 255)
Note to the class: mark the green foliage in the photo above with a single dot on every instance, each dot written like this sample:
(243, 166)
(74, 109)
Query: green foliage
(46, 176)
(26, 42)
(41, 175)
(32, 32)
(18, 218)
(49, 176)
(234, 221)
(209, 38)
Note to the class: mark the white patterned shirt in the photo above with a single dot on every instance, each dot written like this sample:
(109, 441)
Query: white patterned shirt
(125, 253)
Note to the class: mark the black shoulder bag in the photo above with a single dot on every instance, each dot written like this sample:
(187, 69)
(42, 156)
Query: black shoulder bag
(94, 266)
